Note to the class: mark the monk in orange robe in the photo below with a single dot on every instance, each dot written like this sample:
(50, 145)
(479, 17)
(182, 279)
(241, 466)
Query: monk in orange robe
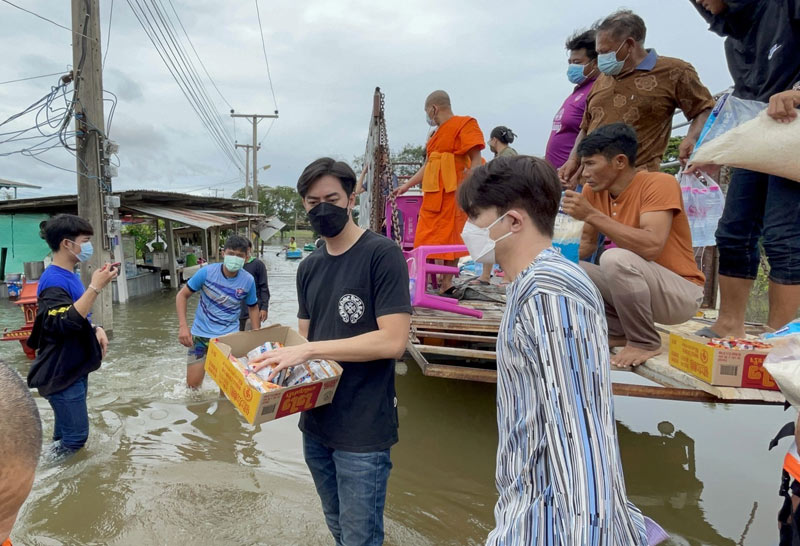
(452, 151)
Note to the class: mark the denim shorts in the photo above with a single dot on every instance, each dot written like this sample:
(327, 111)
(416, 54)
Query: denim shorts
(766, 208)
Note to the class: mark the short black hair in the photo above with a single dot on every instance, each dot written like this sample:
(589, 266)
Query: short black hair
(64, 226)
(326, 166)
(237, 242)
(523, 181)
(20, 427)
(249, 244)
(503, 134)
(583, 39)
(611, 140)
(623, 24)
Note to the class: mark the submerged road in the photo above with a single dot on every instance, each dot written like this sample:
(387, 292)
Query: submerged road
(167, 466)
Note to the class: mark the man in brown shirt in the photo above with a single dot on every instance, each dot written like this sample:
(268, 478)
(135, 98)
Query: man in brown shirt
(642, 89)
(649, 274)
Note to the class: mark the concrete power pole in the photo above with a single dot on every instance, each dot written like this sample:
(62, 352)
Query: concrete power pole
(255, 119)
(247, 191)
(93, 185)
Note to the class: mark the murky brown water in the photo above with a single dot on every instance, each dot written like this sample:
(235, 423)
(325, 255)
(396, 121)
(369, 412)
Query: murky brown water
(165, 466)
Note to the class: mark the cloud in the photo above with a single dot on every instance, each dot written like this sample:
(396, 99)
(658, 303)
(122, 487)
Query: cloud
(502, 64)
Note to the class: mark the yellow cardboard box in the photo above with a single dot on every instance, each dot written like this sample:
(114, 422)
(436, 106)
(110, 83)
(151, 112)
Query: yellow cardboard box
(722, 367)
(255, 406)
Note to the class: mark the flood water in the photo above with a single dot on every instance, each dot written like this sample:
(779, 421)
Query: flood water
(166, 466)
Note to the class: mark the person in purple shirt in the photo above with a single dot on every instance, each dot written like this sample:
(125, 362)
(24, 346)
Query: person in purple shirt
(582, 71)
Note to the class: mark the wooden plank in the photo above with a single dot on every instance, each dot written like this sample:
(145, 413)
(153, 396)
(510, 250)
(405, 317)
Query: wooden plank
(681, 394)
(456, 352)
(458, 337)
(435, 323)
(418, 357)
(461, 372)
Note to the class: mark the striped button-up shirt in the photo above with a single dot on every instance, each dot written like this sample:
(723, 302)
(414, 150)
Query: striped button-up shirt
(559, 473)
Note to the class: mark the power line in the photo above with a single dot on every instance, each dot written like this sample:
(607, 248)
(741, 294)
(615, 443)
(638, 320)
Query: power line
(33, 78)
(170, 58)
(173, 35)
(108, 34)
(45, 19)
(189, 75)
(198, 56)
(266, 59)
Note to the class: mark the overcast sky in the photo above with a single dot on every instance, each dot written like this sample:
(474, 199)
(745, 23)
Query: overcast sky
(503, 63)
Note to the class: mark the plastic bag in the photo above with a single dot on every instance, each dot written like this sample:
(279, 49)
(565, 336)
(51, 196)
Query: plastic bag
(703, 202)
(788, 330)
(567, 236)
(738, 133)
(783, 364)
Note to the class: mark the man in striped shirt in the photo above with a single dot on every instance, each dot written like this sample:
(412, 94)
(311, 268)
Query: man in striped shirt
(559, 473)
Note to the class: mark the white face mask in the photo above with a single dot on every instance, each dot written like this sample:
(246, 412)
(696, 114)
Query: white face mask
(479, 243)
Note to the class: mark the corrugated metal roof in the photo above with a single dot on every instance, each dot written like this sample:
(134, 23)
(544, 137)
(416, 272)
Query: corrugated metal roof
(202, 220)
(10, 184)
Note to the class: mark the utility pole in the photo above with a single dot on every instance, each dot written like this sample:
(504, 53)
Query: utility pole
(255, 119)
(247, 190)
(94, 186)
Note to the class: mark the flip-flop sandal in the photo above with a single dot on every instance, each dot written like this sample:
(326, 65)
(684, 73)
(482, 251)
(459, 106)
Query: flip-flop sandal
(449, 292)
(478, 281)
(707, 332)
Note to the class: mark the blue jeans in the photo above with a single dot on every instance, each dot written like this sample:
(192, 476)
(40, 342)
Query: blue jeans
(757, 205)
(352, 488)
(71, 428)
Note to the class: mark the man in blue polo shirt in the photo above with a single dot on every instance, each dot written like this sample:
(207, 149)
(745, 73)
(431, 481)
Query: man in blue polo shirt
(222, 288)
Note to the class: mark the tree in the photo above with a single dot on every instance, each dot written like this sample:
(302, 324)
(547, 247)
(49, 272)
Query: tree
(672, 154)
(142, 234)
(281, 201)
(410, 153)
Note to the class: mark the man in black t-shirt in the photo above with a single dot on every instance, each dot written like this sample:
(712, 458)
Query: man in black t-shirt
(258, 270)
(355, 309)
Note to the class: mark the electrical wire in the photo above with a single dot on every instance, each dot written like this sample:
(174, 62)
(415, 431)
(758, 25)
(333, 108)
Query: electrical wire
(191, 70)
(266, 59)
(32, 78)
(46, 19)
(198, 56)
(158, 35)
(108, 34)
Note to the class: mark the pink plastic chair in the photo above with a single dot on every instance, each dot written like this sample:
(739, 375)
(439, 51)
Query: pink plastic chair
(408, 207)
(418, 270)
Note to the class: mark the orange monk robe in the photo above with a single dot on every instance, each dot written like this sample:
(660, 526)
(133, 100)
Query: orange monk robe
(440, 218)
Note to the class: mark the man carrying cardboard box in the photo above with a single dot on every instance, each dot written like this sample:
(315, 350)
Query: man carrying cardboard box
(222, 287)
(354, 308)
(651, 275)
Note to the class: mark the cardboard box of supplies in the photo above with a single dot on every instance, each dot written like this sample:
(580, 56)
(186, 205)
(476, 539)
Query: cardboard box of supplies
(254, 405)
(720, 366)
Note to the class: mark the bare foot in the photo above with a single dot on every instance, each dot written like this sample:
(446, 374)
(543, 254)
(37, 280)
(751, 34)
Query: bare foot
(630, 356)
(616, 342)
(726, 329)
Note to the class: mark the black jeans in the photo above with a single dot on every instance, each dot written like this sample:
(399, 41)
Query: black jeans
(759, 205)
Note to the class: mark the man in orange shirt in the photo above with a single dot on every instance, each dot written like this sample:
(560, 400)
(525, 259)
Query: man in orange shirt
(650, 276)
(452, 150)
(21, 445)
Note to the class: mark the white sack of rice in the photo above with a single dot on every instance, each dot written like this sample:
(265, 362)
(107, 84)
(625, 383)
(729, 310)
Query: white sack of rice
(761, 144)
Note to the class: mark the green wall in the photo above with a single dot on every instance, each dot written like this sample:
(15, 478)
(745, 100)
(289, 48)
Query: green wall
(19, 233)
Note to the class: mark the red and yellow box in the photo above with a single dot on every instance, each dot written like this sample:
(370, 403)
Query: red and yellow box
(255, 406)
(718, 366)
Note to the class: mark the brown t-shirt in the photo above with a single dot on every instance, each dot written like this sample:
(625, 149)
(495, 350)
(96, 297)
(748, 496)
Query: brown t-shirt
(646, 98)
(652, 192)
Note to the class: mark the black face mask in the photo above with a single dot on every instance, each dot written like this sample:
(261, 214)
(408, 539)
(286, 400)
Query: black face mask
(328, 220)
